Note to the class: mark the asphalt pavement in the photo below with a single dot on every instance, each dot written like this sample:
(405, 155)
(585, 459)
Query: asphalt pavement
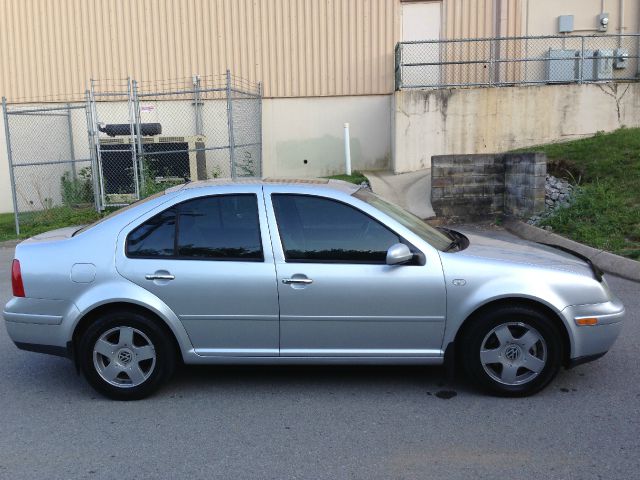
(321, 422)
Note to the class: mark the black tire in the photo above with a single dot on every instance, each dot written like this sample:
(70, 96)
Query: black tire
(146, 332)
(493, 377)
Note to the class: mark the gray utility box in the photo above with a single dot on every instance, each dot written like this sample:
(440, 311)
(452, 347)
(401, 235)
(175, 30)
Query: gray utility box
(562, 66)
(565, 23)
(620, 60)
(588, 65)
(603, 65)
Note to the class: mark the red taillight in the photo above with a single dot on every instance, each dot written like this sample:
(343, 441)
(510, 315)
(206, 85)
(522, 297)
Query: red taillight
(16, 279)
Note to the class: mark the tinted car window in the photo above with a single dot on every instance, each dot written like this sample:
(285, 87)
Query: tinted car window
(223, 227)
(320, 229)
(155, 237)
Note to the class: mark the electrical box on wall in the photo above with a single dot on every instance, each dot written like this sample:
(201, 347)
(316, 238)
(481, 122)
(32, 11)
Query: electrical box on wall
(620, 58)
(603, 22)
(603, 65)
(565, 23)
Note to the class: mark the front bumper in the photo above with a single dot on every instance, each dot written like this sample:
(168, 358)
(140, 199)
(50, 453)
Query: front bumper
(589, 342)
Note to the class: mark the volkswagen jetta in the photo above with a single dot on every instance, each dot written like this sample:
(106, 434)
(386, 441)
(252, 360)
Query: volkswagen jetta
(301, 272)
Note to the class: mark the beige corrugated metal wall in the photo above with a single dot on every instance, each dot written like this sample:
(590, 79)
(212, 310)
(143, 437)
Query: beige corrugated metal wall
(480, 19)
(296, 47)
(483, 18)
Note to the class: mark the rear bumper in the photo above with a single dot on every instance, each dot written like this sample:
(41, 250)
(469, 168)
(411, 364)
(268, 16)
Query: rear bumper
(37, 324)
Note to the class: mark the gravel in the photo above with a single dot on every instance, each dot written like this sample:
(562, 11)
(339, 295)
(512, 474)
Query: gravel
(559, 193)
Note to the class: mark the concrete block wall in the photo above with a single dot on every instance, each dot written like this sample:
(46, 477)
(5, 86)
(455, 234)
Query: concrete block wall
(473, 187)
(524, 179)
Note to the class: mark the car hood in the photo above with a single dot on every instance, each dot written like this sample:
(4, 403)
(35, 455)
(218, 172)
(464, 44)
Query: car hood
(523, 253)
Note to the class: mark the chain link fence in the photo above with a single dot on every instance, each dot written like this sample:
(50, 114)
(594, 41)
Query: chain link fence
(124, 140)
(516, 61)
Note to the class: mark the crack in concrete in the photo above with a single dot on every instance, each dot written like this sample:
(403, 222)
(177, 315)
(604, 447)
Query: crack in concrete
(613, 93)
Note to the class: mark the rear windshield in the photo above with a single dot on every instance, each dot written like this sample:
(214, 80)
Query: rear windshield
(425, 231)
(118, 212)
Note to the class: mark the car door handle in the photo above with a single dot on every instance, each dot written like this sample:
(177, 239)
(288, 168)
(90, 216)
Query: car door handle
(159, 276)
(289, 281)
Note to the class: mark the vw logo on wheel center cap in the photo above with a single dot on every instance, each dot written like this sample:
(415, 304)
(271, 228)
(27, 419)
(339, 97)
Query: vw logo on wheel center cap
(125, 356)
(512, 352)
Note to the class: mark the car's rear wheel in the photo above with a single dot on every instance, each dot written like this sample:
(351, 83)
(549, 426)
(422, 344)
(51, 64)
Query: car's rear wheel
(512, 351)
(126, 355)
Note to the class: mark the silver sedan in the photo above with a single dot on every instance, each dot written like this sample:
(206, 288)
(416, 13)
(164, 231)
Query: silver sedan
(301, 272)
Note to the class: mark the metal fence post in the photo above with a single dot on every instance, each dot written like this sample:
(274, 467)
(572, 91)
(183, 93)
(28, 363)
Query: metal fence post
(138, 129)
(232, 156)
(72, 150)
(259, 172)
(491, 60)
(92, 151)
(9, 156)
(134, 135)
(98, 148)
(398, 71)
(197, 103)
(581, 64)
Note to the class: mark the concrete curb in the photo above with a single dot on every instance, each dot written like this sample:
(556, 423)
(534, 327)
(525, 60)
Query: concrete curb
(608, 262)
(10, 243)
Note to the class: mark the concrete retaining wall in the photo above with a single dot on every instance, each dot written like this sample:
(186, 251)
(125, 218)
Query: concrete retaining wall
(472, 187)
(485, 120)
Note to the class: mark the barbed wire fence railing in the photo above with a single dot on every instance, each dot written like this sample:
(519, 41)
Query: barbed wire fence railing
(123, 140)
(505, 61)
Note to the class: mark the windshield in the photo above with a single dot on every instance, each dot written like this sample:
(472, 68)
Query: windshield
(118, 212)
(429, 234)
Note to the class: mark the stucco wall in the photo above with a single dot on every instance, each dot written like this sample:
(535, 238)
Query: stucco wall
(485, 120)
(312, 129)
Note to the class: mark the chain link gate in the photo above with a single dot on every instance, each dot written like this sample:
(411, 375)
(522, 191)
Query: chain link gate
(128, 140)
(113, 138)
(50, 167)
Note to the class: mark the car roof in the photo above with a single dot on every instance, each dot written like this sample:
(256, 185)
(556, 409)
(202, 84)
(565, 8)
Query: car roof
(324, 182)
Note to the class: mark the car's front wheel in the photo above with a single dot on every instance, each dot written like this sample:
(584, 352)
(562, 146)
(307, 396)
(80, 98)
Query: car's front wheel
(126, 355)
(512, 351)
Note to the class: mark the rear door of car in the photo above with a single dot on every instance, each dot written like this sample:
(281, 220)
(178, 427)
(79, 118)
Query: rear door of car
(210, 260)
(337, 295)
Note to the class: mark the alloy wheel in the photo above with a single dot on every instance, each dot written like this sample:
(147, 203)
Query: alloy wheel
(124, 357)
(513, 353)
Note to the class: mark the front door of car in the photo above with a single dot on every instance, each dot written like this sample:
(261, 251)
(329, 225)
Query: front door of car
(337, 295)
(208, 259)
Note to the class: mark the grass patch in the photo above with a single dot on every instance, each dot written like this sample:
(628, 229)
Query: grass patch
(606, 210)
(355, 177)
(33, 223)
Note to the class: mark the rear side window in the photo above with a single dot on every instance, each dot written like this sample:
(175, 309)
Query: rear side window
(155, 237)
(316, 229)
(223, 227)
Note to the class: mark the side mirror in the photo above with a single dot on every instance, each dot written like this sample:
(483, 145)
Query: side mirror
(398, 253)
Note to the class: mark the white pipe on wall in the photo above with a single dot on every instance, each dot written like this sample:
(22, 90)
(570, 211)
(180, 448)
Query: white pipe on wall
(347, 150)
(621, 23)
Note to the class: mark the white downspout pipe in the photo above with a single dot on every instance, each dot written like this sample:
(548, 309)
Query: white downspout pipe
(347, 150)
